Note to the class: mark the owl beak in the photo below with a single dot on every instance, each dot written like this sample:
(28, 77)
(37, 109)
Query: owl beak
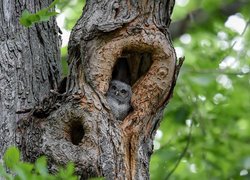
(116, 93)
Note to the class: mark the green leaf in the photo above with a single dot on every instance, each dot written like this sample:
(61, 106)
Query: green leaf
(41, 166)
(11, 157)
(4, 174)
(23, 170)
(70, 169)
(27, 19)
(29, 171)
(24, 20)
(67, 173)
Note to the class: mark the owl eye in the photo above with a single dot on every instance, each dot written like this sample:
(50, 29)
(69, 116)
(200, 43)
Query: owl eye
(123, 91)
(113, 87)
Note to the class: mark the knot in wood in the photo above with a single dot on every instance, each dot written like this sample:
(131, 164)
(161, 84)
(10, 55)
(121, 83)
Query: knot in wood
(163, 72)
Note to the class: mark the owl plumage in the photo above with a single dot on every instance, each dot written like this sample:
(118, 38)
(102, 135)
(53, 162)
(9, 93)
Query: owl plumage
(118, 97)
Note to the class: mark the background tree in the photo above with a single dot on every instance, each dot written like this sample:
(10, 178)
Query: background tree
(29, 65)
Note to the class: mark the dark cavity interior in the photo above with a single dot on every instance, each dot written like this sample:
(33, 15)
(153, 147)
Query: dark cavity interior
(131, 66)
(76, 132)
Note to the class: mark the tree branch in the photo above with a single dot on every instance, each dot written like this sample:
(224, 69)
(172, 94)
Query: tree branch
(183, 152)
(200, 16)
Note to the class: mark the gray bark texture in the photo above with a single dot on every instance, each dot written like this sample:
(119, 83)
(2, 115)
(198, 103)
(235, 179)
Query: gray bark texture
(29, 64)
(75, 123)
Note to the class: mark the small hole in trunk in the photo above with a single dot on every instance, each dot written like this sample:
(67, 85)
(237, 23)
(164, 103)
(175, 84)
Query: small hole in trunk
(76, 132)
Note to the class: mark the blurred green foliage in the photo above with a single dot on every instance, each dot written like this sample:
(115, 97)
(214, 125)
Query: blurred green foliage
(18, 170)
(72, 10)
(212, 94)
(205, 133)
(64, 53)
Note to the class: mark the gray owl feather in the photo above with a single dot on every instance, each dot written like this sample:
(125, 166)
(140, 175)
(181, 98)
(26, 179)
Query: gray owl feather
(118, 97)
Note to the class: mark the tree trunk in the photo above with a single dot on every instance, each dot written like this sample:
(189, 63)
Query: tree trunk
(29, 64)
(75, 123)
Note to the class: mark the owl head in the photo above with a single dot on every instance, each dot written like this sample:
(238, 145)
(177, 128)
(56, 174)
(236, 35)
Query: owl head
(120, 91)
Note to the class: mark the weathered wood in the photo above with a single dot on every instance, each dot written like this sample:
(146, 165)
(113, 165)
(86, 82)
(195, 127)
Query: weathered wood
(78, 125)
(108, 30)
(29, 64)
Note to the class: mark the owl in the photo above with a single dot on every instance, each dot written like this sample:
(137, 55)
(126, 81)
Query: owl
(118, 97)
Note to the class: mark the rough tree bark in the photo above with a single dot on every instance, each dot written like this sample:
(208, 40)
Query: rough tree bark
(29, 64)
(75, 122)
